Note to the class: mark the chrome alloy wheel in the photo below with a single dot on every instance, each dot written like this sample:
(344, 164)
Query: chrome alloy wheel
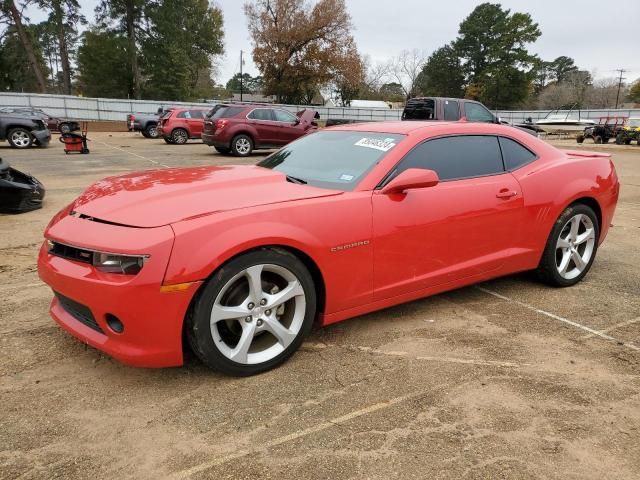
(258, 314)
(243, 146)
(180, 136)
(575, 246)
(21, 139)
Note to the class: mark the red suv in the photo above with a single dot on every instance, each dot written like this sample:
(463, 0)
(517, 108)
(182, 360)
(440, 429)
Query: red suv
(240, 128)
(180, 124)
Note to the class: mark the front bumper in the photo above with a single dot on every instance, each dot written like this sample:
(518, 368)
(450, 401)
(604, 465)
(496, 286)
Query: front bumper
(23, 193)
(152, 320)
(43, 137)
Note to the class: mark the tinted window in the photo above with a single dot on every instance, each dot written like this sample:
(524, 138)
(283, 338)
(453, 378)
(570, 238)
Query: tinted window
(196, 113)
(477, 113)
(282, 116)
(451, 110)
(225, 112)
(514, 154)
(185, 114)
(456, 157)
(419, 109)
(261, 114)
(336, 160)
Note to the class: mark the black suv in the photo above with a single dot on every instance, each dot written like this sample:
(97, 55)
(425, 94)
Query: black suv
(23, 131)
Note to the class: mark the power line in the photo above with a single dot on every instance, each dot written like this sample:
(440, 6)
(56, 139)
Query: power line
(621, 70)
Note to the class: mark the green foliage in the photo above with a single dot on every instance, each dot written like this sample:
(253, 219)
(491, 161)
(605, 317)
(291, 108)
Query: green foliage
(103, 65)
(492, 46)
(183, 36)
(634, 92)
(249, 84)
(442, 75)
(392, 92)
(16, 73)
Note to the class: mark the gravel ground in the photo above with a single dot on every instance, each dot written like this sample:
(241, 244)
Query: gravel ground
(508, 379)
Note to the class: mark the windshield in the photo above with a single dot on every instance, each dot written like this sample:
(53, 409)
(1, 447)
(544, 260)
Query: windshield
(337, 160)
(634, 122)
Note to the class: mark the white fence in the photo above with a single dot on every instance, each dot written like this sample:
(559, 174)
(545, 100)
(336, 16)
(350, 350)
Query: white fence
(115, 109)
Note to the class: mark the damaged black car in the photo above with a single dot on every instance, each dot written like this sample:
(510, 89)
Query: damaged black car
(19, 192)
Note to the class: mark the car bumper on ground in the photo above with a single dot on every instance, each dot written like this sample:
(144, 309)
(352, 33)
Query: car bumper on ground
(20, 192)
(86, 300)
(43, 137)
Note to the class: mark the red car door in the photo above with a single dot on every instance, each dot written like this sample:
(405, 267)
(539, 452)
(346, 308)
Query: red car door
(466, 225)
(291, 127)
(196, 123)
(262, 119)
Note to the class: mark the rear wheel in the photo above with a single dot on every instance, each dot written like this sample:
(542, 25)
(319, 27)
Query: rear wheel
(223, 150)
(242, 145)
(597, 139)
(580, 138)
(253, 313)
(619, 139)
(571, 247)
(179, 136)
(151, 131)
(20, 138)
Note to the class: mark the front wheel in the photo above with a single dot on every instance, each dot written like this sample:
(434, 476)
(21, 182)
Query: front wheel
(242, 145)
(571, 247)
(253, 313)
(20, 138)
(151, 131)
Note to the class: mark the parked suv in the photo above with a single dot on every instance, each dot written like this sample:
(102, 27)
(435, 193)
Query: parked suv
(54, 124)
(23, 131)
(241, 128)
(178, 125)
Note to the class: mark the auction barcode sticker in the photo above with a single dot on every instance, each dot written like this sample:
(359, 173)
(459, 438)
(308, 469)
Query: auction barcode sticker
(376, 143)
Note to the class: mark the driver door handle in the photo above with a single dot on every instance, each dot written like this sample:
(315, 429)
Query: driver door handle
(506, 193)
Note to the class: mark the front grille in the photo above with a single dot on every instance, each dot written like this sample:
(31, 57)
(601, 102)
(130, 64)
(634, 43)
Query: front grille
(71, 253)
(79, 312)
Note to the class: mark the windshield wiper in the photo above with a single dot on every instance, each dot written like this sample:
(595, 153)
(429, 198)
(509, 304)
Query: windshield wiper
(293, 179)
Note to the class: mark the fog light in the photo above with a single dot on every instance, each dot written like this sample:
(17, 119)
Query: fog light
(114, 323)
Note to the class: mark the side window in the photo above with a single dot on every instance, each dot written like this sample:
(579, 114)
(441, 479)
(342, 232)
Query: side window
(184, 114)
(261, 114)
(284, 116)
(456, 157)
(451, 111)
(196, 114)
(477, 113)
(514, 154)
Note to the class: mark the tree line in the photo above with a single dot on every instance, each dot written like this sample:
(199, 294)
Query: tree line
(169, 50)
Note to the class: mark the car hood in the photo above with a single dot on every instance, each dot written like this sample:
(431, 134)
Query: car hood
(160, 197)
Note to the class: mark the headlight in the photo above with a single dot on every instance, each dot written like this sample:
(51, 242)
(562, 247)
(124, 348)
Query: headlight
(112, 263)
(105, 262)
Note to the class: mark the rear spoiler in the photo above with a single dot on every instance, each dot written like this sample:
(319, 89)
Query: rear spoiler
(586, 154)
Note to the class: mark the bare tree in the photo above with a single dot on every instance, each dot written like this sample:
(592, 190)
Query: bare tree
(406, 67)
(603, 93)
(375, 74)
(9, 8)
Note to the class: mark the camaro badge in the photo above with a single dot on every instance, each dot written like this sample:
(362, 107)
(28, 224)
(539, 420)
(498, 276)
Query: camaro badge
(339, 248)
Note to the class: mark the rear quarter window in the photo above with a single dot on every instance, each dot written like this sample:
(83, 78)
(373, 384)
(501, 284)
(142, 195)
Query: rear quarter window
(227, 112)
(514, 154)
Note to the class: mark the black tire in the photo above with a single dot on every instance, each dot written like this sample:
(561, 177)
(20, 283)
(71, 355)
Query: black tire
(597, 139)
(580, 138)
(238, 145)
(198, 324)
(64, 128)
(168, 140)
(20, 138)
(151, 131)
(179, 136)
(223, 150)
(627, 141)
(605, 140)
(547, 270)
(619, 139)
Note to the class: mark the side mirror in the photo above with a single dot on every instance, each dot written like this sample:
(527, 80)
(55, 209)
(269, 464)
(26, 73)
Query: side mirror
(411, 178)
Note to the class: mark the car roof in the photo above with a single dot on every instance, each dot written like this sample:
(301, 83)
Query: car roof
(431, 128)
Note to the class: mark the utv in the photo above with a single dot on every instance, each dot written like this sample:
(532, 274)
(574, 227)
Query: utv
(606, 129)
(629, 133)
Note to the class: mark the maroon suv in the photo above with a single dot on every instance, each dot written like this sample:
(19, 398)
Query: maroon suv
(241, 128)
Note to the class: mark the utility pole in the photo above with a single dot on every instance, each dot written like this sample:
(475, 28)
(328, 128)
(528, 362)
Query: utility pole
(241, 76)
(621, 70)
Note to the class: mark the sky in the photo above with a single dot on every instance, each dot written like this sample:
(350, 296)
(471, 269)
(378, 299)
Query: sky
(600, 36)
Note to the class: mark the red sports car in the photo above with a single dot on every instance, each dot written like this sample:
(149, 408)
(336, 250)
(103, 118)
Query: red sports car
(242, 260)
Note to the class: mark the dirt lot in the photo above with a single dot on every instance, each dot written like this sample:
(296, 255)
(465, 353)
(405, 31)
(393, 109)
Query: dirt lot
(509, 379)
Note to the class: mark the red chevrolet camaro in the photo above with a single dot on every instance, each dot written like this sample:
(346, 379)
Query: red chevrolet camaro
(241, 260)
